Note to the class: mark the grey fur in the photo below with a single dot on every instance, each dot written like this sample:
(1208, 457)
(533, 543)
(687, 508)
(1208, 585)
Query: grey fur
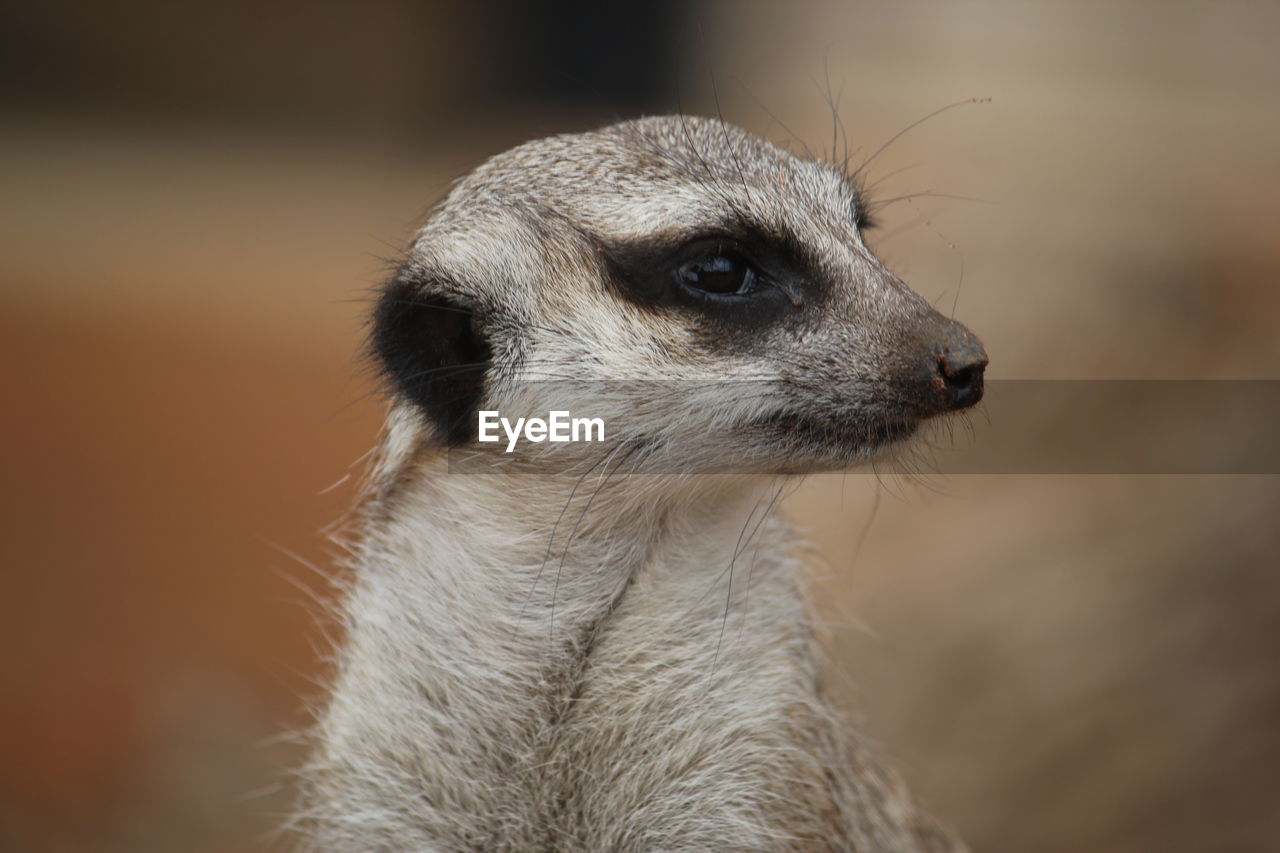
(589, 662)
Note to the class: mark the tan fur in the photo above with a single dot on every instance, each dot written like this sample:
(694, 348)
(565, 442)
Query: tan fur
(590, 659)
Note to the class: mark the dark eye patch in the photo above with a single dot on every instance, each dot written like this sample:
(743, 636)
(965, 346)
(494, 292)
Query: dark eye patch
(739, 276)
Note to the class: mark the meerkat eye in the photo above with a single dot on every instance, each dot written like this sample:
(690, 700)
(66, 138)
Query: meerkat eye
(718, 274)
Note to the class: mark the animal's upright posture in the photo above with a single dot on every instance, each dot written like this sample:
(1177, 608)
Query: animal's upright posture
(584, 659)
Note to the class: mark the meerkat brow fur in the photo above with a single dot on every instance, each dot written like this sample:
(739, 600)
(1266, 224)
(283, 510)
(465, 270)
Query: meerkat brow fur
(591, 659)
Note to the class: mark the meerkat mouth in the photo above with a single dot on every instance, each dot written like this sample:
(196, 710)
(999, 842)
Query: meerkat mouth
(836, 433)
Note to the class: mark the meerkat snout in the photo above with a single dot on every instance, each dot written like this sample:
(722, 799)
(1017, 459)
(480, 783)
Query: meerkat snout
(961, 366)
(683, 250)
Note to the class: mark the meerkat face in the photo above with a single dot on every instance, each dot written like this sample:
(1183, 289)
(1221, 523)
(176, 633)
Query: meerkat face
(683, 256)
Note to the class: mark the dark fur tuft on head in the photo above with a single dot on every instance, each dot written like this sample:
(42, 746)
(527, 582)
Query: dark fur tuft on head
(429, 347)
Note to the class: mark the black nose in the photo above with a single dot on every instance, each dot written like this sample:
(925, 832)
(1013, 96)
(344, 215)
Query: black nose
(960, 369)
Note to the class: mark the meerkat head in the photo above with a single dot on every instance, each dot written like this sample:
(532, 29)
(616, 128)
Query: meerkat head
(680, 254)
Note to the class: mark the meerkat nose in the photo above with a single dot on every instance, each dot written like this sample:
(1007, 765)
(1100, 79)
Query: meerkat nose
(961, 364)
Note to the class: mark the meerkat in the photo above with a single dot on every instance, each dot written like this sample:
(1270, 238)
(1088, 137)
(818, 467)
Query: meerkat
(539, 660)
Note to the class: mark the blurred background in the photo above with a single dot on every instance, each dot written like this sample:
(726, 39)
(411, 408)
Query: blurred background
(197, 200)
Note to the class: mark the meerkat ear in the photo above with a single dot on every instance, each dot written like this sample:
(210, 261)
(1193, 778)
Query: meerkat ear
(429, 346)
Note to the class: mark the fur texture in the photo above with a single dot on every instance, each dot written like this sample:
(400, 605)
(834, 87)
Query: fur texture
(588, 658)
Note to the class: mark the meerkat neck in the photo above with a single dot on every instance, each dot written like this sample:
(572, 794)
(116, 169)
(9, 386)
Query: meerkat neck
(643, 676)
(538, 566)
(491, 669)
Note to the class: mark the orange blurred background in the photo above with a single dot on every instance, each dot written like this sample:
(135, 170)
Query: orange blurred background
(197, 201)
